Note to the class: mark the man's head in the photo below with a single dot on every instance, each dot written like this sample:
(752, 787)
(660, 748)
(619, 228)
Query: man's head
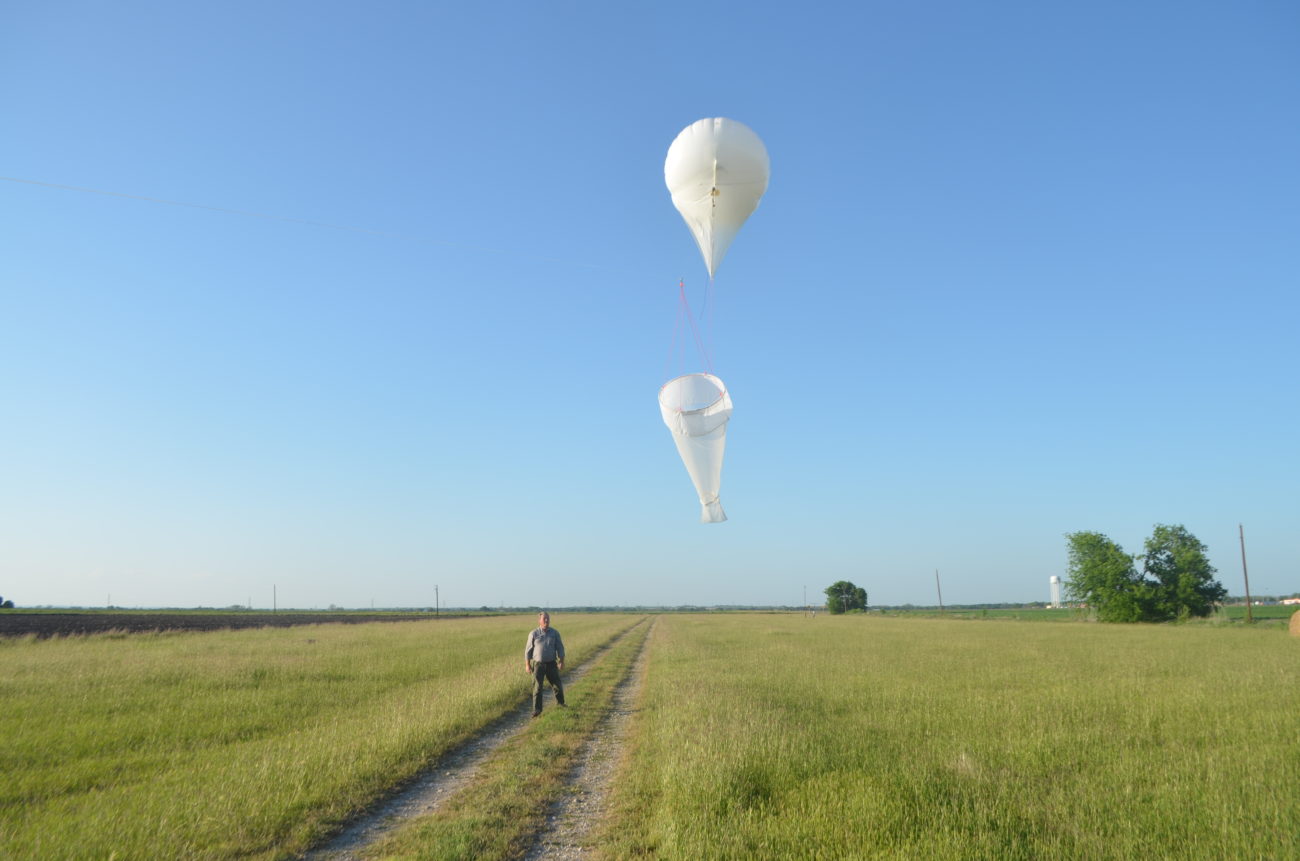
(544, 619)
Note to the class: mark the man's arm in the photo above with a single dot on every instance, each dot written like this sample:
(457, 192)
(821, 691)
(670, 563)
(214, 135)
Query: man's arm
(528, 653)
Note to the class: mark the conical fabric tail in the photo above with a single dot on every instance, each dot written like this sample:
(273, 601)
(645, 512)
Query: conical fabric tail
(696, 409)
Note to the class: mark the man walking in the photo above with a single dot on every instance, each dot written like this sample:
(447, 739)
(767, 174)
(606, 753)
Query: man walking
(543, 659)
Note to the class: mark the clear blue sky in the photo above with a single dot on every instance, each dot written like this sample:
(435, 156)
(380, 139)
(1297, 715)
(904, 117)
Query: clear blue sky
(1022, 269)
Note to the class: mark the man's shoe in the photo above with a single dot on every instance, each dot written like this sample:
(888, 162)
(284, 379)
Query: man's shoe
(535, 714)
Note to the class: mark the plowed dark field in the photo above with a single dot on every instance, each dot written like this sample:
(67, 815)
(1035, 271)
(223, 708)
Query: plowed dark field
(17, 623)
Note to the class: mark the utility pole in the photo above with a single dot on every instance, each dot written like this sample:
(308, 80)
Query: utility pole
(1242, 532)
(938, 589)
(805, 600)
(435, 601)
(273, 599)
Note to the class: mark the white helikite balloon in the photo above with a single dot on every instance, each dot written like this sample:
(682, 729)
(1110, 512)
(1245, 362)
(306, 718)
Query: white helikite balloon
(717, 170)
(696, 408)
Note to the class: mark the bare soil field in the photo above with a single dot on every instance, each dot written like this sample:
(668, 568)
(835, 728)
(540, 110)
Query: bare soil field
(17, 623)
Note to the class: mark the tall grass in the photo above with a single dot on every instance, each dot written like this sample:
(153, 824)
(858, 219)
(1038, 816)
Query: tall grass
(249, 743)
(834, 737)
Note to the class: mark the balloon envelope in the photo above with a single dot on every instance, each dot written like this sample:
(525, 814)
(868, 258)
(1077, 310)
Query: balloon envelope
(717, 170)
(696, 408)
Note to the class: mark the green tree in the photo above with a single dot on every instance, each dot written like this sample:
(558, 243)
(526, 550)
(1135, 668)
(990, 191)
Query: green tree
(1101, 575)
(843, 596)
(1176, 580)
(1175, 559)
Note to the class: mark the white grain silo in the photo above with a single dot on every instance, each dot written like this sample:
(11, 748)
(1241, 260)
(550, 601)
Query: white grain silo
(1056, 590)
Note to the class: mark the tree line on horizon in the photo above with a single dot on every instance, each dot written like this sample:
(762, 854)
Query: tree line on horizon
(1171, 580)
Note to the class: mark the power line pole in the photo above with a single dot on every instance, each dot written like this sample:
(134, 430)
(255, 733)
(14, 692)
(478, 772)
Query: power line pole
(938, 589)
(1242, 532)
(435, 601)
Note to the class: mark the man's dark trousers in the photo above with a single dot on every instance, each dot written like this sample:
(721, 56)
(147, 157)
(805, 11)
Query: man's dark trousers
(548, 672)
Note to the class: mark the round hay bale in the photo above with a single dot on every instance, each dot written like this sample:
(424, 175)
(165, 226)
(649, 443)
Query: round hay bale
(1295, 624)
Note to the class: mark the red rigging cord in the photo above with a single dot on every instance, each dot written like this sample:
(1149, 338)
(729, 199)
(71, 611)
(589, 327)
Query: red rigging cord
(684, 313)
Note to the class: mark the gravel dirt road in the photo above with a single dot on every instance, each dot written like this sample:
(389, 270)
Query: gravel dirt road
(567, 823)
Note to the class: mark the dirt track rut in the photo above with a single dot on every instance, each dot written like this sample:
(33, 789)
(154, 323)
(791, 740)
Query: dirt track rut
(568, 823)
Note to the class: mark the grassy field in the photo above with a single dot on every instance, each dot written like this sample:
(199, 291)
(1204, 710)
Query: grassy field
(1270, 614)
(1023, 614)
(835, 737)
(241, 743)
(1235, 613)
(759, 735)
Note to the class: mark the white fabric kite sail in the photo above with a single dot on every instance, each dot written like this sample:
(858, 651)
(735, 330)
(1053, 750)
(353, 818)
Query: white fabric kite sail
(696, 408)
(717, 170)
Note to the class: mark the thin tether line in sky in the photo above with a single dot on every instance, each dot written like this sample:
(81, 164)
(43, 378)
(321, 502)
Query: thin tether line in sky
(405, 237)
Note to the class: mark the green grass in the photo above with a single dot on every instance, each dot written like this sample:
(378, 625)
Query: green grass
(497, 815)
(249, 743)
(768, 736)
(1266, 614)
(1023, 614)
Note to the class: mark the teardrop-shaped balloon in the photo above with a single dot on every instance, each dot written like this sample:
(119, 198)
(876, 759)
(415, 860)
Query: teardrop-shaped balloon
(717, 170)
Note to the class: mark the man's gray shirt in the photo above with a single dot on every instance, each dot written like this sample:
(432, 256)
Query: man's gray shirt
(544, 644)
